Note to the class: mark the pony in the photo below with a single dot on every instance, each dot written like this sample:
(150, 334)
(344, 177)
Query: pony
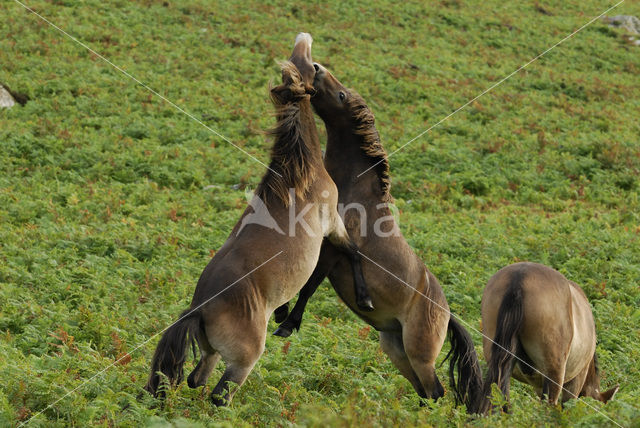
(259, 268)
(411, 312)
(532, 313)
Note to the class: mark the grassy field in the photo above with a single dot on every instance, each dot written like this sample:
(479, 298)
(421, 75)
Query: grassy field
(112, 201)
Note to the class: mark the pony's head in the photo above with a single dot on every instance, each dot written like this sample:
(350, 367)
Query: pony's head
(333, 102)
(301, 57)
(331, 98)
(297, 74)
(591, 387)
(342, 110)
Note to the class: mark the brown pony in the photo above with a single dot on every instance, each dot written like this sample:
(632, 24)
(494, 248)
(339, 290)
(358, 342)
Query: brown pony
(259, 268)
(411, 311)
(534, 314)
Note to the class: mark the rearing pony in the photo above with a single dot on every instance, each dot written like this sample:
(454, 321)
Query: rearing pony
(411, 311)
(260, 268)
(534, 313)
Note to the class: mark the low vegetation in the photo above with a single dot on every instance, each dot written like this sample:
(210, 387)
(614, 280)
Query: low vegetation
(112, 201)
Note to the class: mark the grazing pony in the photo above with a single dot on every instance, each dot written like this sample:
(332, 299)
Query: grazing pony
(259, 268)
(411, 311)
(534, 313)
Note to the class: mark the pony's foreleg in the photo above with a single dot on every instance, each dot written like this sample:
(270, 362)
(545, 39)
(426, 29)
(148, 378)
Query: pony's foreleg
(281, 313)
(340, 238)
(324, 266)
(572, 388)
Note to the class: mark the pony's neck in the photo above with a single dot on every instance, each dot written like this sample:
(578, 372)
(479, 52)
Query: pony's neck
(312, 141)
(295, 156)
(345, 160)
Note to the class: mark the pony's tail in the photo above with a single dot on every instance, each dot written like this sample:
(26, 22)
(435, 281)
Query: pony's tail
(464, 363)
(172, 351)
(505, 342)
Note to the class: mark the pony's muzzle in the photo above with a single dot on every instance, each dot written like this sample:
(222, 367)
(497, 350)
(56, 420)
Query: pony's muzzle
(306, 37)
(301, 57)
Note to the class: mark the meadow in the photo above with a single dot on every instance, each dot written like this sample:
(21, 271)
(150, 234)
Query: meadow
(112, 201)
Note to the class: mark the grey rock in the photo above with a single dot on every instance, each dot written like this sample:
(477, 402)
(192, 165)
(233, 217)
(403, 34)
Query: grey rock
(628, 22)
(6, 100)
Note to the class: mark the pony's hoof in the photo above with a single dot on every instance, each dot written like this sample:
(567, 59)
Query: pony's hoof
(191, 381)
(366, 305)
(219, 401)
(283, 332)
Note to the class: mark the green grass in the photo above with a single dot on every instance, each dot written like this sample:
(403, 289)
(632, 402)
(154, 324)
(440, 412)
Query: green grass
(112, 201)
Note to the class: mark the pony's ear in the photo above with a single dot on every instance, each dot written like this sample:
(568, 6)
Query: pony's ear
(290, 74)
(608, 395)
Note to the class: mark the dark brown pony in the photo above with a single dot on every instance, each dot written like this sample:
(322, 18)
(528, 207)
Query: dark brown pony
(259, 268)
(411, 311)
(534, 313)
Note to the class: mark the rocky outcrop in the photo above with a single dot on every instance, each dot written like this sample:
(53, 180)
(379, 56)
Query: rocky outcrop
(9, 98)
(628, 22)
(6, 100)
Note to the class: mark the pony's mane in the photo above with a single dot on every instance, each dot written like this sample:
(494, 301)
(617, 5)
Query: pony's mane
(371, 144)
(293, 158)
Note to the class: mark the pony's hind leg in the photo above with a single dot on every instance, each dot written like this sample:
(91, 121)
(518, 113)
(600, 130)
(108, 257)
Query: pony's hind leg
(208, 360)
(233, 377)
(240, 345)
(422, 345)
(553, 381)
(553, 366)
(391, 344)
(425, 368)
(203, 369)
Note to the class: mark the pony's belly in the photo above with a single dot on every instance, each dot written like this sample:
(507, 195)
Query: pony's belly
(580, 355)
(293, 247)
(297, 265)
(386, 313)
(583, 343)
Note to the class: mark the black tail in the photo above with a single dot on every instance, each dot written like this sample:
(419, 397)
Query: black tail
(464, 362)
(172, 351)
(505, 342)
